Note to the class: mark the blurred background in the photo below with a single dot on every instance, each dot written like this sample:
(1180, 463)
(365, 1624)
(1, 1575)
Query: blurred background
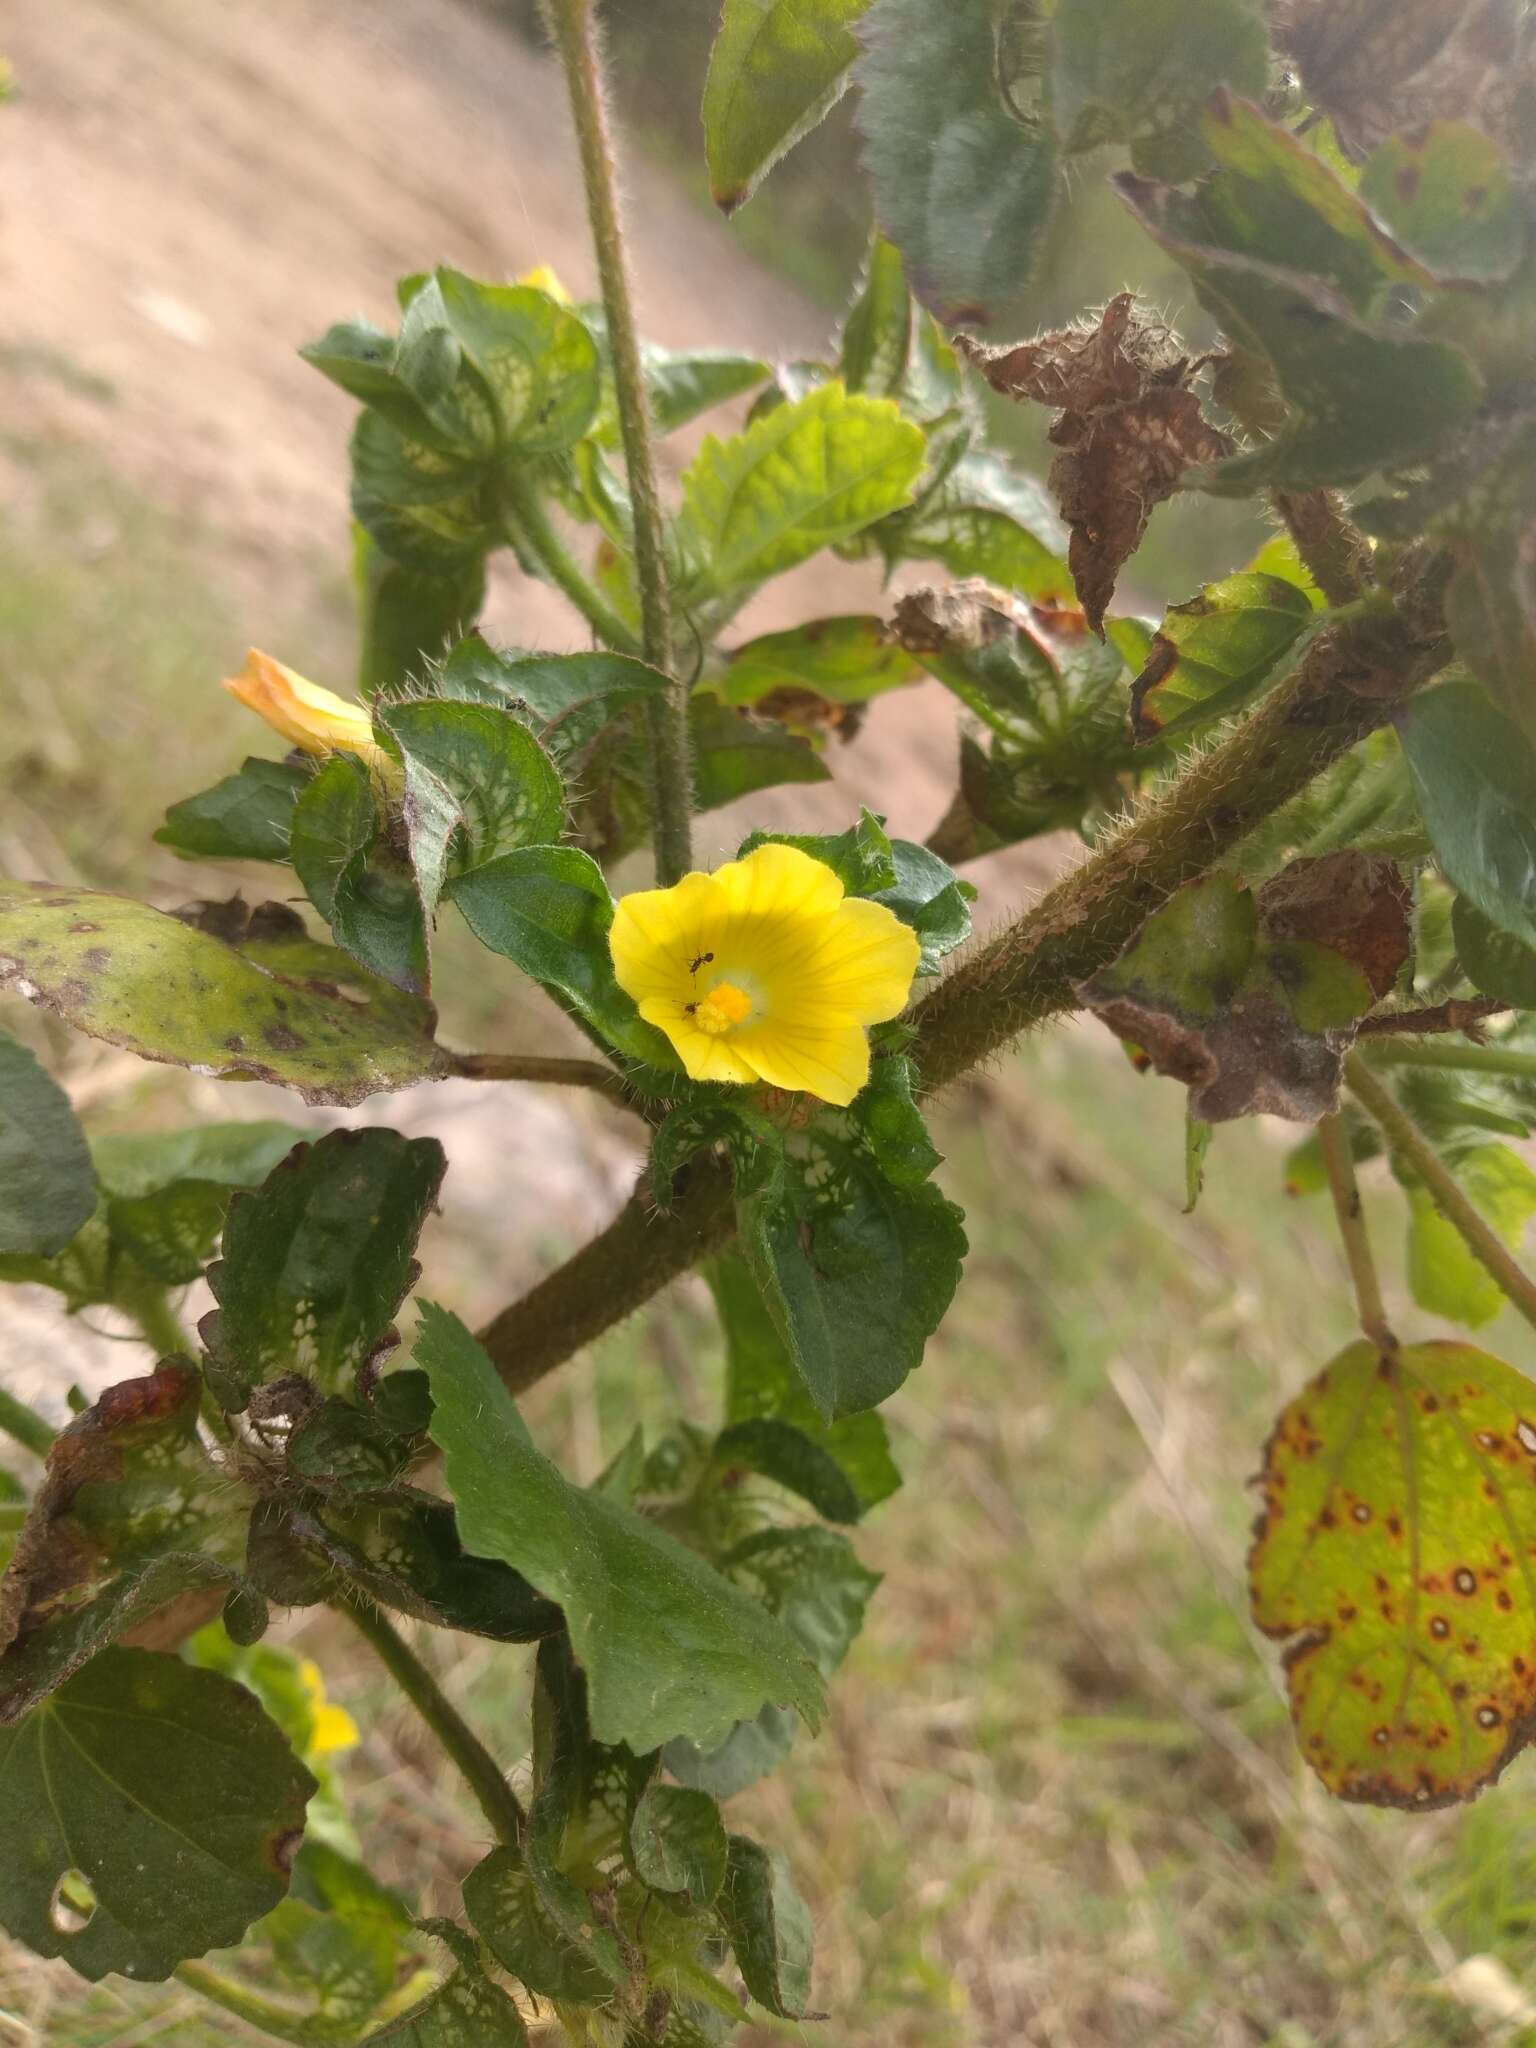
(1057, 1803)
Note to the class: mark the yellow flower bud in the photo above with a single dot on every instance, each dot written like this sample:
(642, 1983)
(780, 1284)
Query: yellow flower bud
(306, 715)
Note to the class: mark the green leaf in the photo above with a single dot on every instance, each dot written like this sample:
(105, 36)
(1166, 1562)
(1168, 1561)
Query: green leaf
(928, 896)
(47, 1188)
(408, 617)
(1495, 962)
(1475, 776)
(569, 700)
(318, 1260)
(469, 2011)
(962, 188)
(682, 383)
(1445, 1277)
(769, 1927)
(777, 69)
(1408, 1606)
(844, 660)
(547, 909)
(676, 1842)
(762, 1386)
(877, 335)
(1358, 399)
(669, 1647)
(353, 877)
(277, 1007)
(862, 858)
(477, 784)
(538, 361)
(167, 1191)
(1445, 192)
(735, 755)
(247, 816)
(855, 1269)
(1139, 74)
(507, 1913)
(1213, 653)
(424, 509)
(340, 1938)
(799, 479)
(984, 520)
(1197, 1144)
(173, 1797)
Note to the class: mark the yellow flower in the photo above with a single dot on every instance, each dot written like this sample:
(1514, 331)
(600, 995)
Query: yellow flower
(332, 1727)
(766, 971)
(307, 716)
(543, 279)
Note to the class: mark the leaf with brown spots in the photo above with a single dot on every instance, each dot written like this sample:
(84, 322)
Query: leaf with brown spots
(1128, 426)
(1252, 999)
(225, 990)
(1396, 1552)
(130, 1515)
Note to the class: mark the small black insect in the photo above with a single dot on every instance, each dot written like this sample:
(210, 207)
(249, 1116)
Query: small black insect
(689, 1008)
(703, 960)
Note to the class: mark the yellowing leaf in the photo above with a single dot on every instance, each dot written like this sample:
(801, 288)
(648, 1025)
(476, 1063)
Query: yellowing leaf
(1397, 1553)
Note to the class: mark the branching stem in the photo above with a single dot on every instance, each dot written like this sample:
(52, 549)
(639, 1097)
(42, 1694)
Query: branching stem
(530, 526)
(560, 1073)
(1468, 1059)
(1333, 1136)
(465, 1750)
(575, 34)
(1410, 1144)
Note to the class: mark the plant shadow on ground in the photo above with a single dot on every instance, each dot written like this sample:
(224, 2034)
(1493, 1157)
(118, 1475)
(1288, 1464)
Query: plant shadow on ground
(1057, 1801)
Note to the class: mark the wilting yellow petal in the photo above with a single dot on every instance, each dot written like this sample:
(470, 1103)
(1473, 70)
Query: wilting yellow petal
(765, 971)
(544, 279)
(306, 715)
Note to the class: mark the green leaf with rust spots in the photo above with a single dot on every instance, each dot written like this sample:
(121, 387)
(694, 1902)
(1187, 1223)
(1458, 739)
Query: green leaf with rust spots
(1445, 1277)
(170, 1793)
(1396, 1553)
(799, 479)
(1445, 192)
(1475, 775)
(669, 1647)
(777, 69)
(274, 1006)
(1213, 653)
(1495, 962)
(247, 816)
(1252, 1000)
(1138, 74)
(1276, 199)
(962, 187)
(47, 1188)
(845, 660)
(317, 1261)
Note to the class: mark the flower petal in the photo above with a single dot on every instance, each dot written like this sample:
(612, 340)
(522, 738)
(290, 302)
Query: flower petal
(657, 932)
(777, 882)
(831, 1062)
(705, 1056)
(865, 962)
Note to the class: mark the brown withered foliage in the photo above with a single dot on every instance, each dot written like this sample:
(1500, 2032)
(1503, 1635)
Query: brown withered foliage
(1358, 905)
(1376, 66)
(1128, 426)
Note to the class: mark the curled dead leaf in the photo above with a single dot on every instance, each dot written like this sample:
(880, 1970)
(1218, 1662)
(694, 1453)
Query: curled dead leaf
(1128, 427)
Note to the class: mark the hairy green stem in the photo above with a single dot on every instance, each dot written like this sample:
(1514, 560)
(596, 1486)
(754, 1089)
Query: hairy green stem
(1468, 1059)
(1336, 554)
(25, 1425)
(575, 34)
(1333, 1136)
(158, 1322)
(473, 1761)
(1030, 972)
(1405, 1138)
(530, 526)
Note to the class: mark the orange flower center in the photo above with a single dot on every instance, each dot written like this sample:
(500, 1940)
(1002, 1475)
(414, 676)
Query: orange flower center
(723, 1009)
